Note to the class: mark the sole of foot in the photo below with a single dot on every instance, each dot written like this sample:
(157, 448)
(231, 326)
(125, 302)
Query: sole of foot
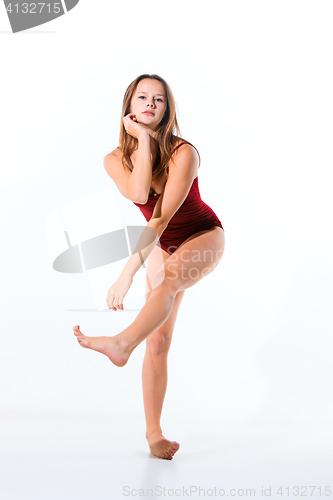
(110, 346)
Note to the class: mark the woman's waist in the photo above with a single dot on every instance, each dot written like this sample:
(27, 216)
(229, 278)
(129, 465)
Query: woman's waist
(190, 213)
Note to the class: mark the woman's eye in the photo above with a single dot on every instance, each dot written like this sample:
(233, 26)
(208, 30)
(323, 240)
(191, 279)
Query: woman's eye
(144, 97)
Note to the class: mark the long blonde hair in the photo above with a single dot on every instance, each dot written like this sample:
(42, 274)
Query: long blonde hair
(165, 136)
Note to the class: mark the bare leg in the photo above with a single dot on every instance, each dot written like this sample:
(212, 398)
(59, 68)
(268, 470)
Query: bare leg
(179, 274)
(119, 347)
(154, 382)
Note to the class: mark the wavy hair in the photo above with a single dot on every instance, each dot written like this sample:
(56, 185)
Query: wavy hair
(167, 134)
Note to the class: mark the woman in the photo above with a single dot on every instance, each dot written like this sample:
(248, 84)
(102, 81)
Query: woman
(158, 171)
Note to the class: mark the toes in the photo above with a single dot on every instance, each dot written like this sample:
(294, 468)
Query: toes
(169, 453)
(174, 448)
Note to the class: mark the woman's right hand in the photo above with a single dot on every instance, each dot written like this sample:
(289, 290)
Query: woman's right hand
(133, 127)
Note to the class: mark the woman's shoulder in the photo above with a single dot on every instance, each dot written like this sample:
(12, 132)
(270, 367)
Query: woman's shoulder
(178, 142)
(182, 144)
(114, 155)
(113, 159)
(115, 151)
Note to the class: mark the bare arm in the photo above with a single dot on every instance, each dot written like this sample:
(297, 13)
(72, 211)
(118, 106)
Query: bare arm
(148, 239)
(140, 179)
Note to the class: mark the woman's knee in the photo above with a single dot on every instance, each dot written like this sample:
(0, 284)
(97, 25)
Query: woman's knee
(167, 283)
(159, 343)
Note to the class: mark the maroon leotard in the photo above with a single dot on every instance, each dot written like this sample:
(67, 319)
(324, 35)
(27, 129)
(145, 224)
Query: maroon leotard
(191, 217)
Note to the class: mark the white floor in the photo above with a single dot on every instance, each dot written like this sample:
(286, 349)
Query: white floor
(99, 457)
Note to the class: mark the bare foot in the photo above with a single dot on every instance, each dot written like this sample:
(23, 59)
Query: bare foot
(114, 348)
(161, 447)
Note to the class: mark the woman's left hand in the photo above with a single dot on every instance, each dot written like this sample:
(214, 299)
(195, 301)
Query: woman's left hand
(118, 291)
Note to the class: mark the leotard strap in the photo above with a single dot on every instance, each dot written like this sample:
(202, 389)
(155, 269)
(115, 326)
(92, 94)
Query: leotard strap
(174, 149)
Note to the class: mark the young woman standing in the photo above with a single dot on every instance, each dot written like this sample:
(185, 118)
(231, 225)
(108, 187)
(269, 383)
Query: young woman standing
(184, 239)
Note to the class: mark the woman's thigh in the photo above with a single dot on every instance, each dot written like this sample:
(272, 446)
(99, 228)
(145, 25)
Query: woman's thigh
(197, 257)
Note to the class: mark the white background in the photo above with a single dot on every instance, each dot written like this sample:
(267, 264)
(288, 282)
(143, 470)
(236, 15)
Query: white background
(250, 368)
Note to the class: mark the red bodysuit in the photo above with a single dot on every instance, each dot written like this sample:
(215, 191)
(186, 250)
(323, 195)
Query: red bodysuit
(191, 217)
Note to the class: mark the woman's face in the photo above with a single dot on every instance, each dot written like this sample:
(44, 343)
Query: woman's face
(149, 95)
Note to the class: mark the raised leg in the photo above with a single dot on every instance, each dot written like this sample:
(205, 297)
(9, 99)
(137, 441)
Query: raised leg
(192, 261)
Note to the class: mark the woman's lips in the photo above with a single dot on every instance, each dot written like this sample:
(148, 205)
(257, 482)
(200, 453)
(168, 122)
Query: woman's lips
(148, 113)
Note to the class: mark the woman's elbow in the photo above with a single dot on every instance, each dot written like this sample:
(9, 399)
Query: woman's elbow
(141, 200)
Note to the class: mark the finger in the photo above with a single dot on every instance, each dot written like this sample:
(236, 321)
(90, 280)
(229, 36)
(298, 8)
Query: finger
(110, 303)
(117, 302)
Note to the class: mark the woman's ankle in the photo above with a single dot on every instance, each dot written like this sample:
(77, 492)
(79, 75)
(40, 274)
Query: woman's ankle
(153, 430)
